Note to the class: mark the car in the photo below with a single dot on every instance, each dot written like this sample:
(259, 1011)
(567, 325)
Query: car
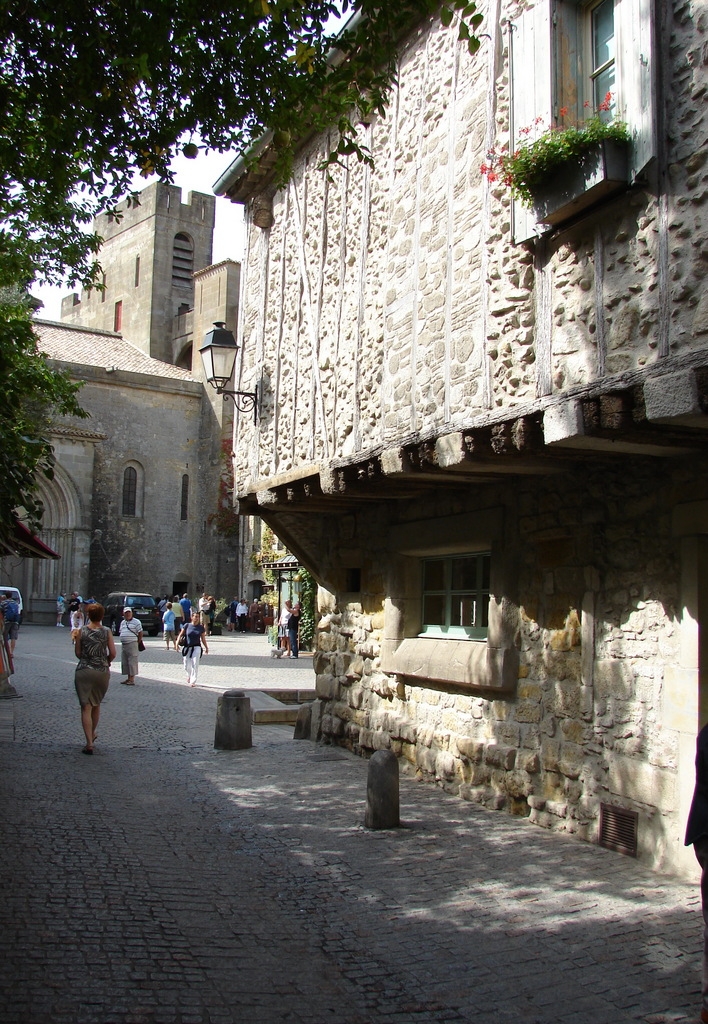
(13, 592)
(144, 609)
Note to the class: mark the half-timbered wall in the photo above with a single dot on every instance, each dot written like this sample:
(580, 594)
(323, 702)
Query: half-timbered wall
(430, 385)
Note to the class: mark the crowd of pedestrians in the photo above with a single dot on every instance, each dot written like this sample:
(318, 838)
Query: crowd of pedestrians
(186, 627)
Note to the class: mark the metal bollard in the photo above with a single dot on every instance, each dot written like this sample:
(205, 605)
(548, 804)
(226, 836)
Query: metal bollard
(233, 721)
(382, 797)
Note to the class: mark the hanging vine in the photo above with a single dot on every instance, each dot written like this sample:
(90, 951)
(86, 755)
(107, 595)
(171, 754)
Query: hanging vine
(225, 520)
(308, 605)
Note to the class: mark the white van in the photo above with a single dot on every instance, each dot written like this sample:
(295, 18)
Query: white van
(13, 592)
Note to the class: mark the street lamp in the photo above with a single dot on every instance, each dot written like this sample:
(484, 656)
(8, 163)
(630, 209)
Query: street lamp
(218, 352)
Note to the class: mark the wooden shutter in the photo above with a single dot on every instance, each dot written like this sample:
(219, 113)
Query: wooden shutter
(568, 92)
(531, 58)
(635, 58)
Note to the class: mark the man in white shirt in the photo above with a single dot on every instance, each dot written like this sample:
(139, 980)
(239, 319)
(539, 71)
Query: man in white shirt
(242, 615)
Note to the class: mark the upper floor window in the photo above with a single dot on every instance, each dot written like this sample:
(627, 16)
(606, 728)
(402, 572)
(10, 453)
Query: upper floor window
(182, 260)
(184, 501)
(566, 57)
(137, 271)
(117, 317)
(601, 66)
(133, 490)
(455, 595)
(130, 491)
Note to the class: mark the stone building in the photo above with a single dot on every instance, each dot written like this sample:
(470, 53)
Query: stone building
(141, 488)
(483, 430)
(150, 252)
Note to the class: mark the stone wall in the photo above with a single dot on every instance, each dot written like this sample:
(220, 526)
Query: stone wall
(598, 611)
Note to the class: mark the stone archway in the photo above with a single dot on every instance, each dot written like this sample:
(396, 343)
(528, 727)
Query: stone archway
(63, 530)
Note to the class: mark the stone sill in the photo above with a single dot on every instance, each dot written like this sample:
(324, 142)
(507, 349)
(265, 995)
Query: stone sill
(465, 664)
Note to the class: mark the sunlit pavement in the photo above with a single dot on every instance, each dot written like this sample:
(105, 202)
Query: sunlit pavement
(163, 881)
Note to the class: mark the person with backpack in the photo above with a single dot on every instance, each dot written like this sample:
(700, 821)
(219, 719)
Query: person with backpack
(11, 613)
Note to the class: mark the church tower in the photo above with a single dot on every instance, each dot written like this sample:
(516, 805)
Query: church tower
(149, 255)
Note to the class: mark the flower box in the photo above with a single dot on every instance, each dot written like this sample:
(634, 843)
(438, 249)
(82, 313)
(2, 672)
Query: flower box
(602, 171)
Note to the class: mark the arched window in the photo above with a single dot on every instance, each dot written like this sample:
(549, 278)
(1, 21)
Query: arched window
(182, 260)
(133, 490)
(130, 490)
(184, 503)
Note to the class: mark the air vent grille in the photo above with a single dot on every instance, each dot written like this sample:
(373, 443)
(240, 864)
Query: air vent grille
(618, 829)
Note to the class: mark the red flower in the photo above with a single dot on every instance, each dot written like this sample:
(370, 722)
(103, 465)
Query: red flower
(563, 111)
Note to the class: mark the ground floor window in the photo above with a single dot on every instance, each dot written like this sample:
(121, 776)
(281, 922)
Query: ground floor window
(456, 595)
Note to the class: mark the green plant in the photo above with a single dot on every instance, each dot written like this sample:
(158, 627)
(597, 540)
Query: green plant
(268, 553)
(532, 163)
(308, 595)
(225, 520)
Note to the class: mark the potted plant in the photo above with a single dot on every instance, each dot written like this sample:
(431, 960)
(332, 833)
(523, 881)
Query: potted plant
(566, 168)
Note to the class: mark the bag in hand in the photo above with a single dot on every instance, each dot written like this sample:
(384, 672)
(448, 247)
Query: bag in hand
(141, 645)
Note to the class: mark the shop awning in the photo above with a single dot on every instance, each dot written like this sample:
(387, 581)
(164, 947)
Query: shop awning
(24, 543)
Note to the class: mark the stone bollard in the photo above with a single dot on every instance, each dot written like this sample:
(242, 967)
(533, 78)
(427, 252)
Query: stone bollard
(303, 723)
(382, 800)
(233, 721)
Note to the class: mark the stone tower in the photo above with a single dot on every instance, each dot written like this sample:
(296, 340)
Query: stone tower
(149, 255)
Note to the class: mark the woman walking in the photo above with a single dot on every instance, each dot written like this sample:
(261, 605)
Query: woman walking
(95, 649)
(131, 635)
(194, 636)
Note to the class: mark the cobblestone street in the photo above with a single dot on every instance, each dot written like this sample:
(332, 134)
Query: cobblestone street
(163, 881)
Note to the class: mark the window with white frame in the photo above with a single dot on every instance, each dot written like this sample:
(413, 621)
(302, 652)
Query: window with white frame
(566, 56)
(455, 596)
(600, 59)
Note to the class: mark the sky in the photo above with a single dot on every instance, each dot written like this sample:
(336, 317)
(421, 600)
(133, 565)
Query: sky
(192, 176)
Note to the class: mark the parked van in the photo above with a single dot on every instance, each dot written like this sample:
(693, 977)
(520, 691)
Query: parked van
(14, 593)
(144, 610)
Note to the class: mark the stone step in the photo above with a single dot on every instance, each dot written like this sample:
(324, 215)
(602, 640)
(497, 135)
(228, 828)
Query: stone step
(276, 716)
(268, 710)
(293, 696)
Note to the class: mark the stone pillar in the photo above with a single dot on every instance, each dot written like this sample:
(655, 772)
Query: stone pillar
(233, 721)
(382, 797)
